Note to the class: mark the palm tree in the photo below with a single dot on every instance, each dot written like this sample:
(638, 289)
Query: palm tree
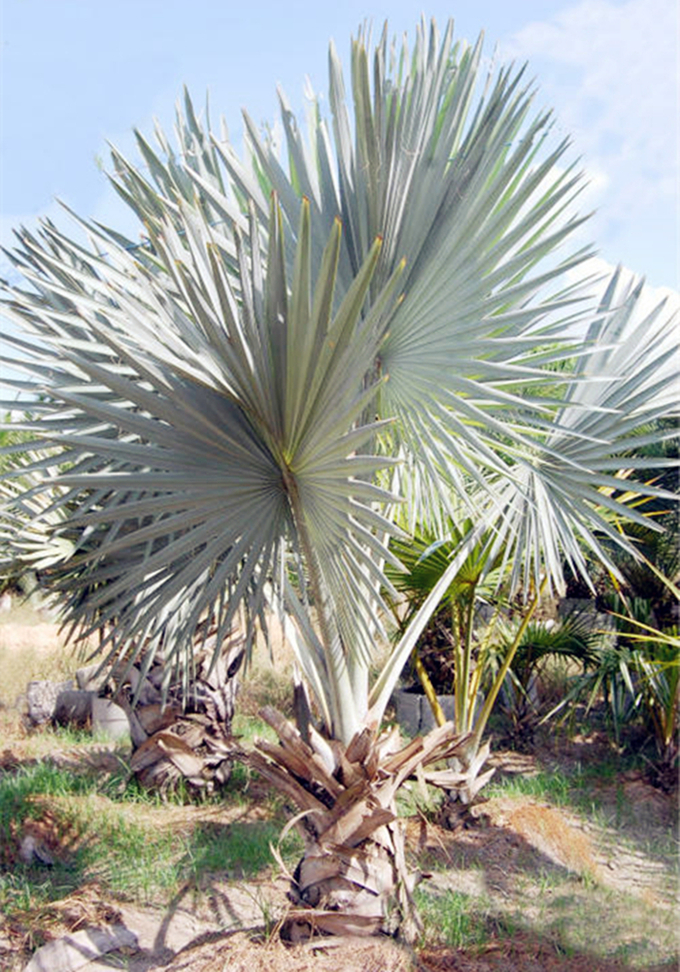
(239, 402)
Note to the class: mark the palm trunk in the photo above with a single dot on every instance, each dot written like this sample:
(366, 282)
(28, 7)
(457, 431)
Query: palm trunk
(172, 743)
(353, 877)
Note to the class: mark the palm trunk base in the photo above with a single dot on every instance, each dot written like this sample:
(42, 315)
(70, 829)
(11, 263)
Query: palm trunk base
(364, 890)
(461, 782)
(353, 878)
(191, 745)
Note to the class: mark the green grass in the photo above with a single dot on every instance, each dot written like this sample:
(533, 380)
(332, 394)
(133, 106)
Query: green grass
(628, 928)
(593, 793)
(580, 788)
(17, 791)
(452, 918)
(416, 797)
(561, 910)
(130, 859)
(19, 894)
(240, 850)
(552, 787)
(67, 737)
(133, 860)
(111, 835)
(249, 728)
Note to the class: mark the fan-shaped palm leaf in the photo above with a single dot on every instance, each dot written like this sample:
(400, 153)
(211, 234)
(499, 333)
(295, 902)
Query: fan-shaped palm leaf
(194, 454)
(570, 490)
(456, 181)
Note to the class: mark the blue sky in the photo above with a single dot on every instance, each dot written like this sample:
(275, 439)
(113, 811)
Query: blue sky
(76, 73)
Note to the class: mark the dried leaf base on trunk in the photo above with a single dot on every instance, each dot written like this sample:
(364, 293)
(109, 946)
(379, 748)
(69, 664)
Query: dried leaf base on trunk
(353, 878)
(461, 783)
(194, 744)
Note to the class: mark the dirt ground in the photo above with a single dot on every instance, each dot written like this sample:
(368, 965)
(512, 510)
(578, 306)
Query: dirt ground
(552, 884)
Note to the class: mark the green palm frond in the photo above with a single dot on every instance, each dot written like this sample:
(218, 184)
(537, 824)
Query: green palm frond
(571, 637)
(205, 431)
(425, 558)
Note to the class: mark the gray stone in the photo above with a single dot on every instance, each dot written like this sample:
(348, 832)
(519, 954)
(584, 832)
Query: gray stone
(144, 690)
(74, 707)
(109, 719)
(407, 706)
(414, 713)
(427, 720)
(585, 611)
(33, 851)
(576, 605)
(80, 948)
(41, 698)
(88, 680)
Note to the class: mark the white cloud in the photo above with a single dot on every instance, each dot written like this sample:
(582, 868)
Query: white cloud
(610, 70)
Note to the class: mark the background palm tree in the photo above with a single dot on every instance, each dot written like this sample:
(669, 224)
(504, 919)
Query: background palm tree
(238, 403)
